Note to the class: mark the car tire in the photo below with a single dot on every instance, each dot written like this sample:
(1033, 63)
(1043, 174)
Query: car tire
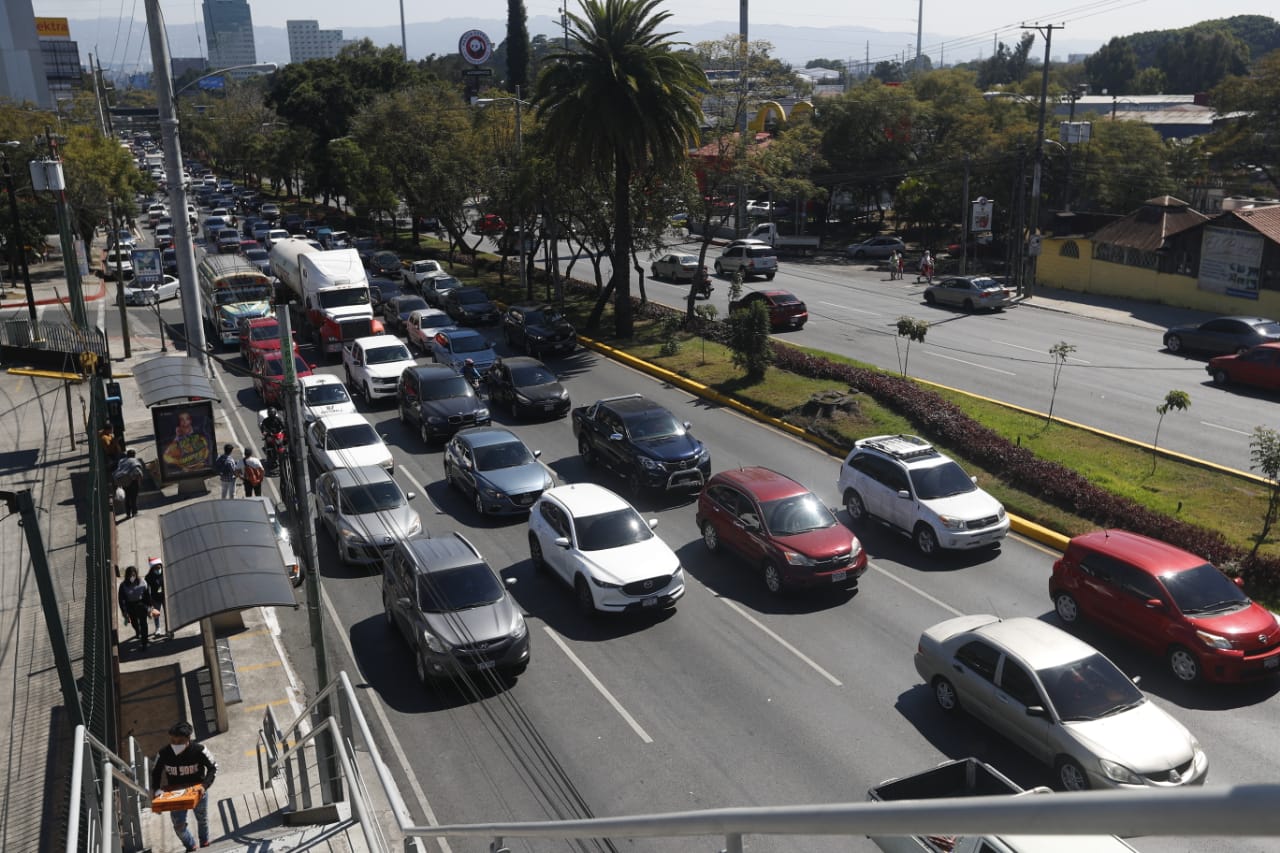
(854, 506)
(1220, 378)
(772, 578)
(478, 504)
(859, 255)
(769, 277)
(582, 593)
(653, 273)
(944, 693)
(368, 395)
(424, 433)
(926, 540)
(1173, 343)
(585, 451)
(710, 537)
(1071, 775)
(930, 298)
(1184, 665)
(719, 269)
(535, 552)
(1067, 608)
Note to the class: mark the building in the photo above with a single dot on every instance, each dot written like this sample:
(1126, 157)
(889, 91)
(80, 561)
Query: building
(308, 41)
(180, 65)
(228, 29)
(21, 61)
(61, 57)
(1172, 116)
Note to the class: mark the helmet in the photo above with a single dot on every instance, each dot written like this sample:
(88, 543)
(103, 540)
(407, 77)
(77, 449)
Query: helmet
(271, 412)
(469, 363)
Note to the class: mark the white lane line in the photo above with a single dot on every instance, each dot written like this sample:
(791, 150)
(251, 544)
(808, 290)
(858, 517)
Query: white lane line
(917, 590)
(1043, 352)
(1227, 428)
(801, 655)
(854, 310)
(422, 490)
(970, 363)
(604, 691)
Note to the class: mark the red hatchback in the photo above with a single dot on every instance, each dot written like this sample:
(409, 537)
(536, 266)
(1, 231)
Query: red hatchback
(1259, 367)
(782, 529)
(786, 310)
(259, 334)
(268, 373)
(1169, 602)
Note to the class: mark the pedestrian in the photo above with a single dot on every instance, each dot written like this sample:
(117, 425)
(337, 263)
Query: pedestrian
(155, 585)
(228, 471)
(128, 475)
(894, 261)
(902, 262)
(112, 447)
(254, 472)
(135, 603)
(183, 764)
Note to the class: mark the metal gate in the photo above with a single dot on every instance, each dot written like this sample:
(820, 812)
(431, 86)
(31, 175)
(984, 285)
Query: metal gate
(54, 346)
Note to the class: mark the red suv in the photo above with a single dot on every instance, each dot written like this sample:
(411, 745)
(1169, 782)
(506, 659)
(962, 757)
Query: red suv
(1169, 602)
(782, 529)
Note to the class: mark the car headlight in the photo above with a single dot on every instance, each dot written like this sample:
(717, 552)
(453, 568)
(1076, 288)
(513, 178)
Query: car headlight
(564, 393)
(435, 419)
(857, 548)
(650, 464)
(481, 414)
(952, 523)
(1001, 513)
(1214, 641)
(534, 336)
(351, 536)
(1120, 773)
(520, 628)
(605, 584)
(704, 457)
(432, 642)
(491, 492)
(797, 559)
(520, 398)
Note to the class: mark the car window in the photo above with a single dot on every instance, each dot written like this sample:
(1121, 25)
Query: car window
(446, 388)
(509, 454)
(554, 518)
(319, 395)
(1203, 589)
(1089, 688)
(1137, 583)
(728, 499)
(371, 497)
(470, 343)
(458, 589)
(653, 424)
(533, 374)
(1017, 682)
(980, 658)
(1100, 566)
(614, 529)
(387, 354)
(797, 514)
(941, 481)
(355, 435)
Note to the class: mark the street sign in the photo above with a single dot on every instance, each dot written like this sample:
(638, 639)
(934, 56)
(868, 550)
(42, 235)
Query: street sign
(148, 271)
(475, 47)
(478, 72)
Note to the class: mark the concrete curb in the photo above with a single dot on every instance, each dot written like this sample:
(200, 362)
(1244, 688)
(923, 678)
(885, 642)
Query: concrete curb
(55, 300)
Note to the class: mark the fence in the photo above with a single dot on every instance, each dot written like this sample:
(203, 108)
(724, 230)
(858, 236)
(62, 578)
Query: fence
(54, 346)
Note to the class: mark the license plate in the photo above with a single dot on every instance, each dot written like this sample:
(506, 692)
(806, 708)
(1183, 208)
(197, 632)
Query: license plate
(836, 577)
(1271, 663)
(486, 664)
(548, 407)
(649, 602)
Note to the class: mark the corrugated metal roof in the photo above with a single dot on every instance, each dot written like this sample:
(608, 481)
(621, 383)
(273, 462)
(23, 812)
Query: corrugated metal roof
(1150, 225)
(1265, 220)
(172, 377)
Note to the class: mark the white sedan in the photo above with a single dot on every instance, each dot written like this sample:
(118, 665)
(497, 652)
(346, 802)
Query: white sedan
(347, 441)
(137, 294)
(597, 544)
(421, 327)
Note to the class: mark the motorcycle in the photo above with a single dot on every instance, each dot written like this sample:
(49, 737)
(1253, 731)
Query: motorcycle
(274, 449)
(701, 284)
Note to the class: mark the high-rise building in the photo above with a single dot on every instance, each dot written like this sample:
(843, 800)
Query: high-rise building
(21, 63)
(62, 70)
(308, 41)
(228, 28)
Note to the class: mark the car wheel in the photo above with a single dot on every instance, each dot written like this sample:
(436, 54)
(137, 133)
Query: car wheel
(1071, 775)
(772, 578)
(929, 297)
(769, 277)
(582, 592)
(854, 506)
(1184, 665)
(710, 537)
(368, 395)
(719, 269)
(584, 450)
(1066, 608)
(347, 373)
(926, 539)
(1173, 343)
(424, 433)
(535, 552)
(1220, 377)
(859, 255)
(478, 503)
(968, 305)
(944, 693)
(653, 273)
(1241, 350)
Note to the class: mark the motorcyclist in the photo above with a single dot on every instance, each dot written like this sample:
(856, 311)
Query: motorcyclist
(471, 373)
(702, 282)
(272, 423)
(272, 426)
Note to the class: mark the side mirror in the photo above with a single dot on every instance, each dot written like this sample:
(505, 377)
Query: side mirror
(468, 464)
(653, 522)
(509, 581)
(562, 542)
(1154, 604)
(405, 603)
(537, 453)
(904, 494)
(688, 426)
(410, 495)
(1037, 711)
(1137, 679)
(328, 507)
(975, 480)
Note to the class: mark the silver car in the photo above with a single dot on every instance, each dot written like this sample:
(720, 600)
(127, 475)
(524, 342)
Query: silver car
(1059, 699)
(283, 544)
(675, 267)
(876, 249)
(496, 470)
(970, 292)
(366, 512)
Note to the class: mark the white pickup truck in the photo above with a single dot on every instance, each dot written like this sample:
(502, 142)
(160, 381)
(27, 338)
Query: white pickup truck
(782, 238)
(373, 365)
(416, 273)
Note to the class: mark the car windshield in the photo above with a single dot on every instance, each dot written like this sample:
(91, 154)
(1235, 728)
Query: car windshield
(655, 423)
(458, 589)
(264, 333)
(256, 254)
(386, 259)
(533, 374)
(321, 395)
(371, 497)
(386, 355)
(434, 321)
(1269, 329)
(472, 297)
(354, 435)
(232, 295)
(444, 389)
(1089, 688)
(409, 304)
(796, 514)
(543, 316)
(344, 297)
(425, 266)
(509, 454)
(1203, 589)
(470, 343)
(941, 481)
(445, 282)
(785, 299)
(611, 530)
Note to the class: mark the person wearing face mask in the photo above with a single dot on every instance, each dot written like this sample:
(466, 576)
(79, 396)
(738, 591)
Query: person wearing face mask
(183, 764)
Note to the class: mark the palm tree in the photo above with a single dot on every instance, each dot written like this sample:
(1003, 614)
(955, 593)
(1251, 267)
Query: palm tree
(619, 98)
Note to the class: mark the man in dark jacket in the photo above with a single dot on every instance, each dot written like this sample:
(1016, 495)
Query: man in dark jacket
(128, 475)
(179, 765)
(134, 598)
(155, 583)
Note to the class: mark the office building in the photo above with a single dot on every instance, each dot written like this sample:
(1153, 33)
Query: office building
(61, 55)
(308, 41)
(21, 62)
(228, 29)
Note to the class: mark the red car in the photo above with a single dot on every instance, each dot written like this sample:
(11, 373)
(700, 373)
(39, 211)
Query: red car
(1259, 367)
(786, 311)
(1168, 602)
(489, 223)
(267, 368)
(781, 529)
(259, 334)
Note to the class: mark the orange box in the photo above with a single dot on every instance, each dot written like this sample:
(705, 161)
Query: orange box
(176, 801)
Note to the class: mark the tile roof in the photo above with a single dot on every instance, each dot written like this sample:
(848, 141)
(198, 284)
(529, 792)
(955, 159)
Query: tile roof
(1150, 225)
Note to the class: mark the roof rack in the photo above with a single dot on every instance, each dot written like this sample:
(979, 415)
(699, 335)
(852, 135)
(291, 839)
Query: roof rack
(901, 446)
(620, 397)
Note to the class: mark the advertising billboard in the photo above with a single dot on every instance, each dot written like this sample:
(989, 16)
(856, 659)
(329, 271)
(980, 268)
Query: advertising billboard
(53, 28)
(148, 271)
(1231, 261)
(185, 443)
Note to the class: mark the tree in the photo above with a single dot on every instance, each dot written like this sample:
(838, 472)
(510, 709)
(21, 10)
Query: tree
(1007, 65)
(1250, 137)
(517, 47)
(1128, 163)
(1060, 352)
(1264, 450)
(750, 342)
(1173, 401)
(620, 96)
(913, 330)
(1200, 60)
(1112, 68)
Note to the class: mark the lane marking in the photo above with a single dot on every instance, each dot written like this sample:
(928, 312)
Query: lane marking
(249, 709)
(1227, 428)
(1042, 352)
(917, 590)
(854, 310)
(604, 691)
(769, 631)
(254, 667)
(970, 363)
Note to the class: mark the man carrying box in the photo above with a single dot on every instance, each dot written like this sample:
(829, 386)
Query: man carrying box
(183, 772)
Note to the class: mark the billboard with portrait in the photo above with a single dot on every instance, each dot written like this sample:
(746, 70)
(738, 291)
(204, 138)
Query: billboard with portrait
(185, 441)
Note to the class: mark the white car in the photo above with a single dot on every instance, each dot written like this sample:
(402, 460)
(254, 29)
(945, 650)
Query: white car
(136, 294)
(417, 272)
(322, 395)
(904, 482)
(120, 260)
(373, 364)
(598, 544)
(275, 235)
(347, 441)
(421, 327)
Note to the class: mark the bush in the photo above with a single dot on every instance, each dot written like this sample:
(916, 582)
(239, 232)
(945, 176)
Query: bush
(749, 340)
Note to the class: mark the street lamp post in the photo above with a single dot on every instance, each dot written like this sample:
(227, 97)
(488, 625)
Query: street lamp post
(16, 236)
(524, 283)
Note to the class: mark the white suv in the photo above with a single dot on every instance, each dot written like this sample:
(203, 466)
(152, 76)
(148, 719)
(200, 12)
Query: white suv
(753, 257)
(903, 481)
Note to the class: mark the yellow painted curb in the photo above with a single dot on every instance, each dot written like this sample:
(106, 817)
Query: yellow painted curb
(1038, 532)
(46, 374)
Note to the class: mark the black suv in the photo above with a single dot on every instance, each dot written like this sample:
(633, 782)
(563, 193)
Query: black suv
(438, 401)
(538, 329)
(453, 609)
(469, 306)
(642, 442)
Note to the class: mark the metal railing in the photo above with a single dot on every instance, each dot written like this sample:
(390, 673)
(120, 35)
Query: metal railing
(102, 817)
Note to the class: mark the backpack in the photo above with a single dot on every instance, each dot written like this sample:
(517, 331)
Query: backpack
(253, 475)
(226, 465)
(125, 476)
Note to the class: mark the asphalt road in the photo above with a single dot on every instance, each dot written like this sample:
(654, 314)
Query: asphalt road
(732, 699)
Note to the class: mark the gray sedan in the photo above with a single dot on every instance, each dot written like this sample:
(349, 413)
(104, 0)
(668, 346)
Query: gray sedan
(495, 468)
(365, 511)
(970, 292)
(875, 249)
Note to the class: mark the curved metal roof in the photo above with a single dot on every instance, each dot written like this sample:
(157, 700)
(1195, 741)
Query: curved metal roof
(172, 377)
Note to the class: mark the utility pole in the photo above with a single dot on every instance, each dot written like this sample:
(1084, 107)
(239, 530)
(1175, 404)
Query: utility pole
(404, 42)
(1033, 246)
(48, 176)
(919, 34)
(124, 312)
(16, 243)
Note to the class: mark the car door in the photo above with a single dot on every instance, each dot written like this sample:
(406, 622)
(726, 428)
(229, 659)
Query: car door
(900, 509)
(1098, 592)
(1016, 691)
(1149, 627)
(327, 502)
(464, 465)
(724, 508)
(868, 480)
(1255, 367)
(556, 524)
(754, 539)
(617, 451)
(973, 671)
(410, 397)
(1219, 336)
(316, 439)
(401, 595)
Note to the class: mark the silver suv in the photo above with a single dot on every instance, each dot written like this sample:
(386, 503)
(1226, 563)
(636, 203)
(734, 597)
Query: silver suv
(904, 482)
(753, 257)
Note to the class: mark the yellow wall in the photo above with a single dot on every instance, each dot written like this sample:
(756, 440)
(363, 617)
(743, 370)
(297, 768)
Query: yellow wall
(1086, 275)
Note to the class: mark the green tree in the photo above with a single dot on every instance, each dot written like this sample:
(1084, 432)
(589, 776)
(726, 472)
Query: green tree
(1199, 60)
(517, 47)
(1264, 450)
(1173, 401)
(750, 342)
(1112, 68)
(1254, 102)
(620, 96)
(1007, 65)
(913, 330)
(1127, 163)
(1150, 81)
(1060, 352)
(866, 140)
